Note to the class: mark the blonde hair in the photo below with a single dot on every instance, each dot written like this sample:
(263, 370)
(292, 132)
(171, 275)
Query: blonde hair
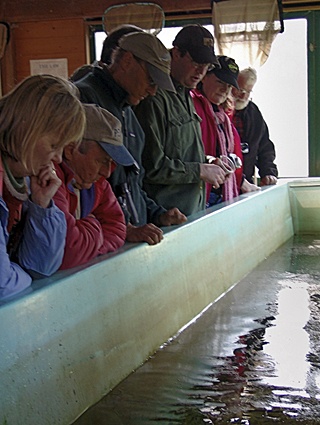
(41, 105)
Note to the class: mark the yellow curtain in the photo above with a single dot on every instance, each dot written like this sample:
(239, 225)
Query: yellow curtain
(246, 29)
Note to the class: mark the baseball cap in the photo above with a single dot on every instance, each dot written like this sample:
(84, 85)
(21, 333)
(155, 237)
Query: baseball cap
(105, 129)
(112, 41)
(199, 42)
(228, 71)
(150, 49)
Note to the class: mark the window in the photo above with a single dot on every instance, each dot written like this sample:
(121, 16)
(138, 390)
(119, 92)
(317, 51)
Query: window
(282, 96)
(280, 93)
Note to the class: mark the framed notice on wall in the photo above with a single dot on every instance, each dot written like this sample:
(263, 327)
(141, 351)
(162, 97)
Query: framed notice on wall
(56, 67)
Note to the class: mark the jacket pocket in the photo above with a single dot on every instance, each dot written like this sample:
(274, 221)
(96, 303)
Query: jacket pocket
(180, 129)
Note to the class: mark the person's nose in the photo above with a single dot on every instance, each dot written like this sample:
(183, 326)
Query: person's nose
(241, 94)
(152, 89)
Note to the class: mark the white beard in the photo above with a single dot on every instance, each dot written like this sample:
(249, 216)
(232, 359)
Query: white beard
(241, 104)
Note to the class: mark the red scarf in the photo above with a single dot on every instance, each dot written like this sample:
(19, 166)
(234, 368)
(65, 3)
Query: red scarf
(215, 139)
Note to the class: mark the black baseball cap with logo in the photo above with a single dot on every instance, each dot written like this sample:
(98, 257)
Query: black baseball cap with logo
(198, 42)
(228, 71)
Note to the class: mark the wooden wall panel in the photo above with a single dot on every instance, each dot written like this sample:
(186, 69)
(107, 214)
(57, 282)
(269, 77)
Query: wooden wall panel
(47, 40)
(24, 10)
(48, 29)
(27, 10)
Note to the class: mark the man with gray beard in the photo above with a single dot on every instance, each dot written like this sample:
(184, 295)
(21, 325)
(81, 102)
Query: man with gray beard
(257, 148)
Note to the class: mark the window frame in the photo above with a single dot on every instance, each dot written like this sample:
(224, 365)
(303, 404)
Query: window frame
(313, 64)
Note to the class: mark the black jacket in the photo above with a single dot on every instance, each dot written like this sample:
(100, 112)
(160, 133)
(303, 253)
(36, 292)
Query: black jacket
(254, 131)
(99, 87)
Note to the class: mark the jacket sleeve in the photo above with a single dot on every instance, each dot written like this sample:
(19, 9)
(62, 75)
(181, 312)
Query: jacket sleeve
(88, 237)
(258, 136)
(163, 143)
(42, 245)
(12, 278)
(153, 210)
(109, 214)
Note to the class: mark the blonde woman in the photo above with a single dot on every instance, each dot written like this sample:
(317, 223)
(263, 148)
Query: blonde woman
(37, 119)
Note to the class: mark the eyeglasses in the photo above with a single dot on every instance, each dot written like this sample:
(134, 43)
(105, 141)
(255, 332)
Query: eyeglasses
(200, 66)
(150, 80)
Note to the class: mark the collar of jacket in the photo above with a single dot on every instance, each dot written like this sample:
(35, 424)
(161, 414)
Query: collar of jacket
(118, 94)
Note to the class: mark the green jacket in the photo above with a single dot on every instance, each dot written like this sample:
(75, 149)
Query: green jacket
(173, 150)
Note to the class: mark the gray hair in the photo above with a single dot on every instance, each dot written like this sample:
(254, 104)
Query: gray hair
(249, 74)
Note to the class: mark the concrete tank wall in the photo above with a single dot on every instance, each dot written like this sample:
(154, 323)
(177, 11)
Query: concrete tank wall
(75, 336)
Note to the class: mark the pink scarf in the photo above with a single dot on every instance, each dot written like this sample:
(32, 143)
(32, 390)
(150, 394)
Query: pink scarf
(213, 137)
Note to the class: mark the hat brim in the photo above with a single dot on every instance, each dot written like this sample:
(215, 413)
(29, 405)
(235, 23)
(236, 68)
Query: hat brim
(160, 78)
(226, 78)
(119, 154)
(204, 54)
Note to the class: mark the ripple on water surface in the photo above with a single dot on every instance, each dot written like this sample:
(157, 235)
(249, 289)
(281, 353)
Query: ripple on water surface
(252, 358)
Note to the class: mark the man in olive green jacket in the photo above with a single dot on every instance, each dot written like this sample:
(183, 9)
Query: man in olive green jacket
(173, 156)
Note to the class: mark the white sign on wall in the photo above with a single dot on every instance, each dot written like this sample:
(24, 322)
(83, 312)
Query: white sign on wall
(56, 67)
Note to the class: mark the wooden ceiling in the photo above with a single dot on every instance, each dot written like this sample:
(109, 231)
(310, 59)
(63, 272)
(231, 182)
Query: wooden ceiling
(29, 10)
(293, 5)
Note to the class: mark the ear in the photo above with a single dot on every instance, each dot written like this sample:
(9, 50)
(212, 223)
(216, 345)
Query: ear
(176, 54)
(70, 150)
(127, 60)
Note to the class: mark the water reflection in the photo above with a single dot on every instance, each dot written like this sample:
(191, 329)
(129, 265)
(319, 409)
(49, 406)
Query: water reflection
(288, 341)
(252, 358)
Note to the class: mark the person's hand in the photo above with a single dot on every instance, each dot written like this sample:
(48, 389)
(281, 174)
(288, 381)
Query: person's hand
(268, 181)
(172, 216)
(247, 187)
(44, 186)
(227, 168)
(213, 174)
(147, 233)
